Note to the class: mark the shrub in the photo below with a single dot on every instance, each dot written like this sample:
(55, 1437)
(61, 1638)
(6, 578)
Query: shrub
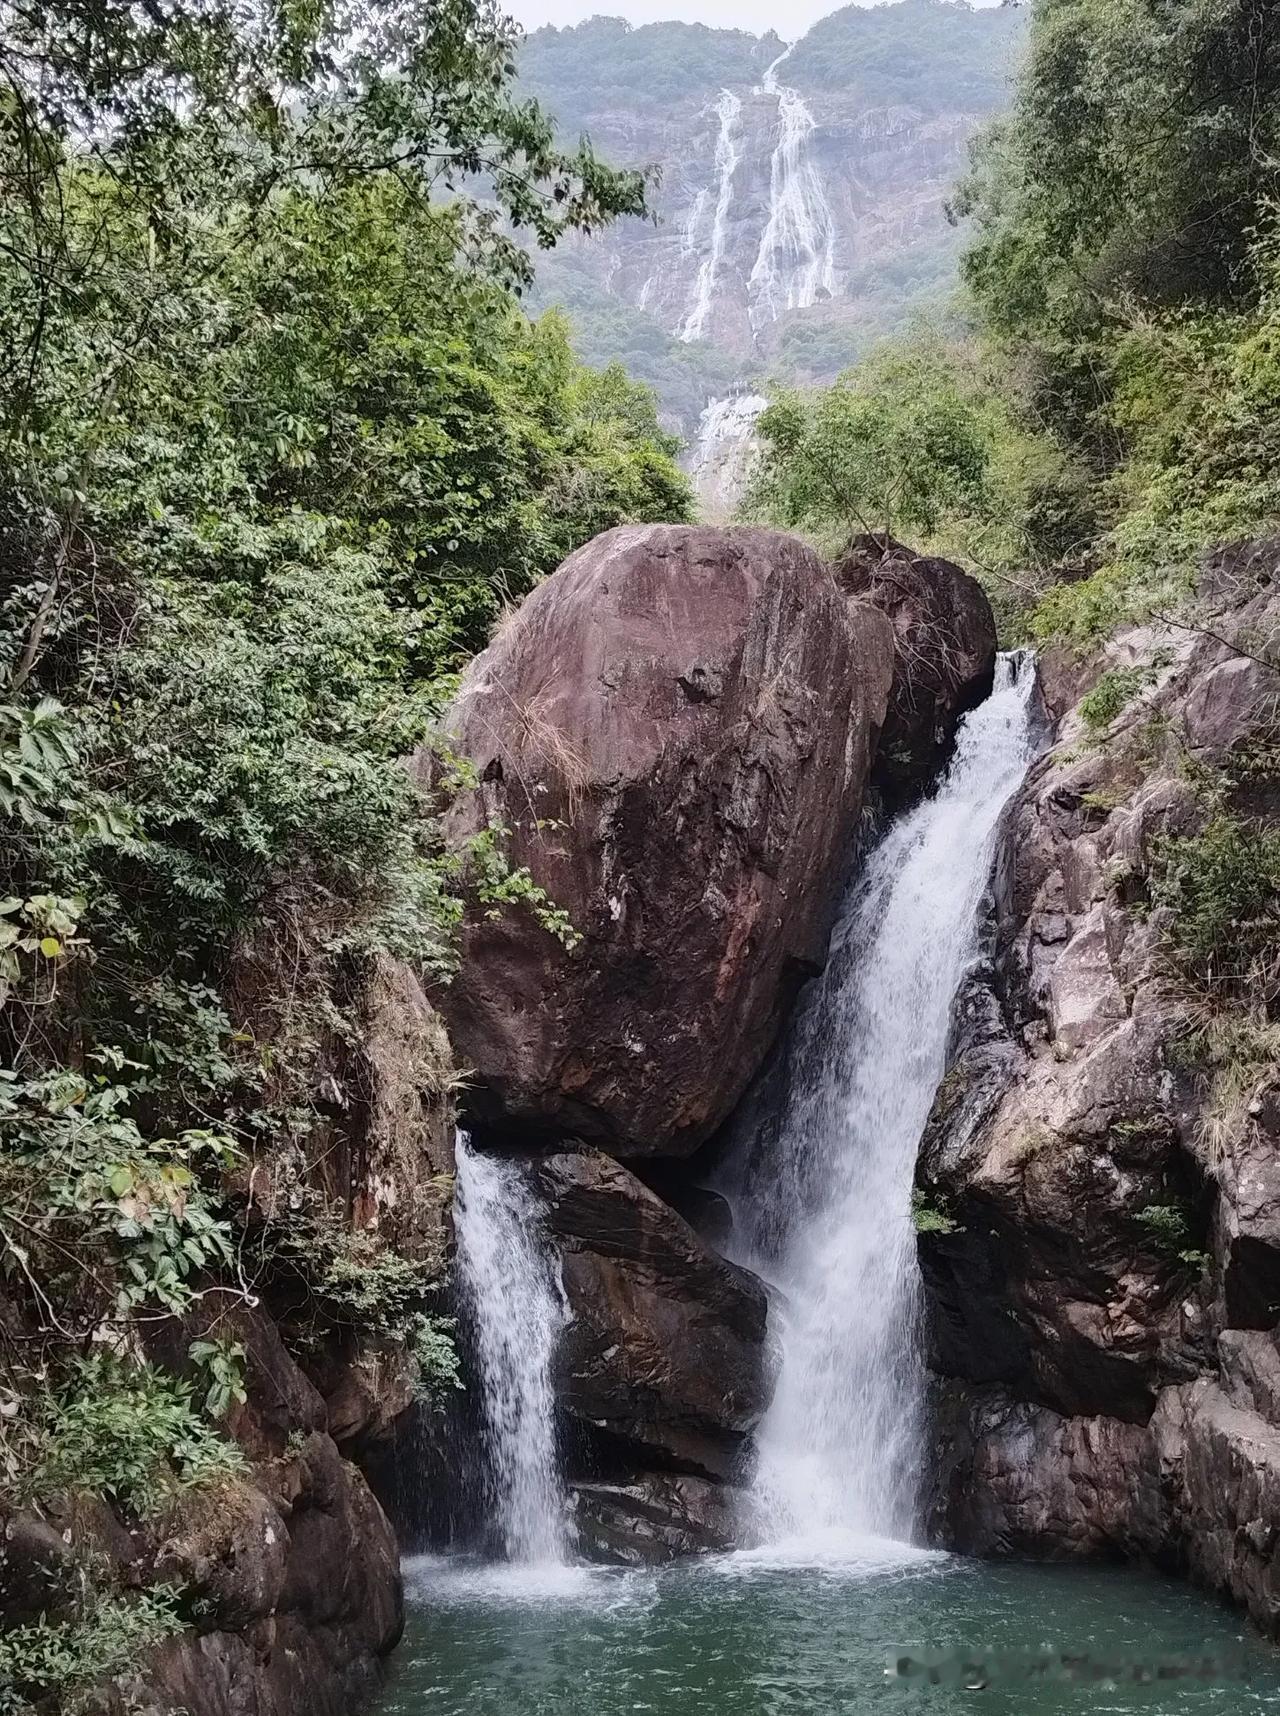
(1223, 889)
(129, 1431)
(1169, 1226)
(1114, 690)
(66, 1658)
(930, 1217)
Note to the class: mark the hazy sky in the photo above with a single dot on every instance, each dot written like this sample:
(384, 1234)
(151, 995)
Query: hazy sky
(790, 18)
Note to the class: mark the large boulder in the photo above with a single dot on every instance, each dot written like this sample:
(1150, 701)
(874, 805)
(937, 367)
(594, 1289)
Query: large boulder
(1009, 1478)
(944, 637)
(665, 1351)
(652, 1518)
(676, 730)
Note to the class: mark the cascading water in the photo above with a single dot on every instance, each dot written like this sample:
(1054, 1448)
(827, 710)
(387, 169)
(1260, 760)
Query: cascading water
(722, 452)
(796, 258)
(515, 1308)
(828, 1214)
(728, 108)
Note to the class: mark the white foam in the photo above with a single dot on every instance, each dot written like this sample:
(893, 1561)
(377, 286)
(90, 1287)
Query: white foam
(453, 1581)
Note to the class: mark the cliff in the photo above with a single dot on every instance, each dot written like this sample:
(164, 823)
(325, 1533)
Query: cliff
(800, 209)
(1103, 1255)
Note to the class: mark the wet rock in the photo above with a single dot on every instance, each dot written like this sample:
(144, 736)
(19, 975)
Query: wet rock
(666, 1348)
(1248, 1216)
(676, 727)
(653, 1518)
(1016, 1479)
(944, 638)
(1220, 1461)
(1104, 1294)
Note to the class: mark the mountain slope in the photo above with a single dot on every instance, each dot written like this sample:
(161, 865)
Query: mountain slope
(801, 206)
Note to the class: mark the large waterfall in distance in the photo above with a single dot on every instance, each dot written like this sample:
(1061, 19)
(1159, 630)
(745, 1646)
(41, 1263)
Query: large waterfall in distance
(827, 1206)
(515, 1310)
(728, 108)
(796, 259)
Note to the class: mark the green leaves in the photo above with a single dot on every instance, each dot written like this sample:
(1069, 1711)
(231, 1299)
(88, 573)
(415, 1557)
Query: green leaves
(36, 753)
(893, 445)
(103, 1210)
(129, 1430)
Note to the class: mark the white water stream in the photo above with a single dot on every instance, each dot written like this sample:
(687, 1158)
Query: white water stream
(796, 258)
(728, 108)
(828, 1207)
(722, 453)
(514, 1304)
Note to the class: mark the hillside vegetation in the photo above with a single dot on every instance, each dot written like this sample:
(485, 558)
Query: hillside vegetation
(605, 62)
(277, 444)
(930, 55)
(1111, 410)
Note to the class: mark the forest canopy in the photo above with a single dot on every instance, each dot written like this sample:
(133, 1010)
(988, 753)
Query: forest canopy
(277, 445)
(1122, 274)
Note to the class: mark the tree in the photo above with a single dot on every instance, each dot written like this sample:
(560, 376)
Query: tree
(1142, 151)
(277, 446)
(892, 445)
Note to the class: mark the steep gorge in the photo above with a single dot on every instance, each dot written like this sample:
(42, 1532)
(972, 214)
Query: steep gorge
(1095, 1283)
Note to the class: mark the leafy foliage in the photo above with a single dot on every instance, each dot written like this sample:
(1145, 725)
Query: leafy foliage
(277, 446)
(99, 1219)
(1141, 146)
(68, 1656)
(922, 435)
(877, 452)
(1171, 1231)
(1113, 691)
(930, 55)
(127, 1431)
(1124, 261)
(1222, 887)
(592, 67)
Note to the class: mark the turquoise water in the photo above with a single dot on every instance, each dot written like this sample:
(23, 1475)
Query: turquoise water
(746, 1635)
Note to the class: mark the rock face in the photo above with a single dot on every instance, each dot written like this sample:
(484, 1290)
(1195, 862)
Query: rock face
(890, 103)
(302, 1589)
(291, 1571)
(657, 1517)
(1105, 1283)
(665, 1354)
(676, 728)
(944, 639)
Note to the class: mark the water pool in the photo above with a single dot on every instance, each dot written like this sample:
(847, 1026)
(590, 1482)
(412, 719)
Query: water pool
(757, 1634)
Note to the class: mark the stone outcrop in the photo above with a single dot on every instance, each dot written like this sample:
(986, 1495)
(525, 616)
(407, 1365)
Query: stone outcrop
(654, 1518)
(291, 1569)
(944, 642)
(665, 1354)
(298, 1577)
(1103, 1270)
(380, 1143)
(676, 728)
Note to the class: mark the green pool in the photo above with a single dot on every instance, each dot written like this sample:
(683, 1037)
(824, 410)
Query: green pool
(878, 1629)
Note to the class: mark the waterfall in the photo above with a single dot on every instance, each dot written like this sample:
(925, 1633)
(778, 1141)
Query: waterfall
(514, 1306)
(722, 452)
(728, 109)
(796, 259)
(828, 1205)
